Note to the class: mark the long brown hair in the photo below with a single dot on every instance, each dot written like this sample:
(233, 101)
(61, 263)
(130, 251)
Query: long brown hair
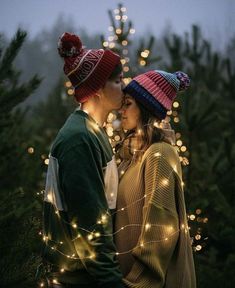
(147, 131)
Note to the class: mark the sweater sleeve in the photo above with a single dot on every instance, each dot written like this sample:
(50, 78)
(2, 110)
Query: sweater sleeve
(160, 227)
(90, 226)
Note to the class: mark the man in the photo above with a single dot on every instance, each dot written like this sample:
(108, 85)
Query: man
(77, 222)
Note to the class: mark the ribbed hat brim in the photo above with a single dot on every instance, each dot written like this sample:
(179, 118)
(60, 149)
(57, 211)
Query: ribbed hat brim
(146, 99)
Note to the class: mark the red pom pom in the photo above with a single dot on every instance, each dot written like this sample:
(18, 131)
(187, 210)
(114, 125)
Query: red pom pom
(69, 45)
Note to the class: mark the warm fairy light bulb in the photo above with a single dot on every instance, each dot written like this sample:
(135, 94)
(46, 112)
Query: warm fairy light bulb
(45, 238)
(179, 143)
(132, 30)
(118, 17)
(74, 225)
(156, 124)
(166, 239)
(70, 92)
(117, 138)
(182, 184)
(50, 197)
(117, 253)
(158, 154)
(205, 220)
(118, 31)
(123, 9)
(169, 229)
(116, 11)
(182, 226)
(104, 218)
(198, 211)
(124, 42)
(92, 256)
(147, 226)
(30, 150)
(176, 104)
(144, 54)
(142, 62)
(169, 112)
(198, 237)
(122, 172)
(55, 281)
(109, 131)
(165, 182)
(139, 131)
(43, 156)
(126, 68)
(176, 119)
(192, 217)
(90, 237)
(97, 234)
(41, 284)
(198, 247)
(122, 209)
(110, 38)
(68, 84)
(111, 45)
(46, 161)
(126, 80)
(123, 61)
(105, 44)
(183, 148)
(62, 270)
(141, 244)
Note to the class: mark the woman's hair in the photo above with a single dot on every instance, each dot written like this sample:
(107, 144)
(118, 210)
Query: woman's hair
(116, 71)
(147, 131)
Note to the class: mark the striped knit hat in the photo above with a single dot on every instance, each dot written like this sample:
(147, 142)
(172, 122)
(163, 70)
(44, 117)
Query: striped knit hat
(156, 90)
(87, 70)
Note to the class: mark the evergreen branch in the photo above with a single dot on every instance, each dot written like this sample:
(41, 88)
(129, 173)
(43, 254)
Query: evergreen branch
(10, 54)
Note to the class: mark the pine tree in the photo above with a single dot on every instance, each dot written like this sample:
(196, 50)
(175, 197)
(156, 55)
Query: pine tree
(206, 117)
(17, 202)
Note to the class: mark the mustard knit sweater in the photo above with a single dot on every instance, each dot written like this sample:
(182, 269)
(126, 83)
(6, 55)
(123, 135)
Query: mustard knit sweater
(152, 235)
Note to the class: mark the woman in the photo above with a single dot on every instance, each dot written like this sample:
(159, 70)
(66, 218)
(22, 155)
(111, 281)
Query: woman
(152, 238)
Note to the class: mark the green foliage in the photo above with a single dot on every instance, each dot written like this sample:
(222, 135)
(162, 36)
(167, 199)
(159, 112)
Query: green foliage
(17, 202)
(207, 129)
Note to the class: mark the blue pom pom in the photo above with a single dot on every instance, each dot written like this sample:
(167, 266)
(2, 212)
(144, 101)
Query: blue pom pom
(184, 80)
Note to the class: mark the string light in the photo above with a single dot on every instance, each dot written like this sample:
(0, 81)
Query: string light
(30, 150)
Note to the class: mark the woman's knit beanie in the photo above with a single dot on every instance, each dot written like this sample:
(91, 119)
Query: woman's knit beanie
(156, 90)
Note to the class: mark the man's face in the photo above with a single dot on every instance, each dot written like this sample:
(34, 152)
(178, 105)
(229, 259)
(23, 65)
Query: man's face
(113, 95)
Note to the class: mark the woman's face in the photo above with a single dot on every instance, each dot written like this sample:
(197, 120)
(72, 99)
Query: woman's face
(130, 113)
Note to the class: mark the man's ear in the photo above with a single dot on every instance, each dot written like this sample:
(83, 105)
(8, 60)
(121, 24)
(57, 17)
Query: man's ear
(99, 93)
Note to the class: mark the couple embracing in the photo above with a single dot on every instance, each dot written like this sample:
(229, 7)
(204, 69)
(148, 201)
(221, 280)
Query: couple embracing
(106, 226)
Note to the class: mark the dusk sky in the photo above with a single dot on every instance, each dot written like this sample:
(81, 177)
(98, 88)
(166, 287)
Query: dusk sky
(216, 17)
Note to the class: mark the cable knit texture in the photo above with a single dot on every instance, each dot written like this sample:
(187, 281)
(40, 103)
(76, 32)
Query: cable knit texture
(153, 226)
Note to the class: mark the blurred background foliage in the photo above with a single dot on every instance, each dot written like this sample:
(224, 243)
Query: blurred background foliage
(34, 104)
